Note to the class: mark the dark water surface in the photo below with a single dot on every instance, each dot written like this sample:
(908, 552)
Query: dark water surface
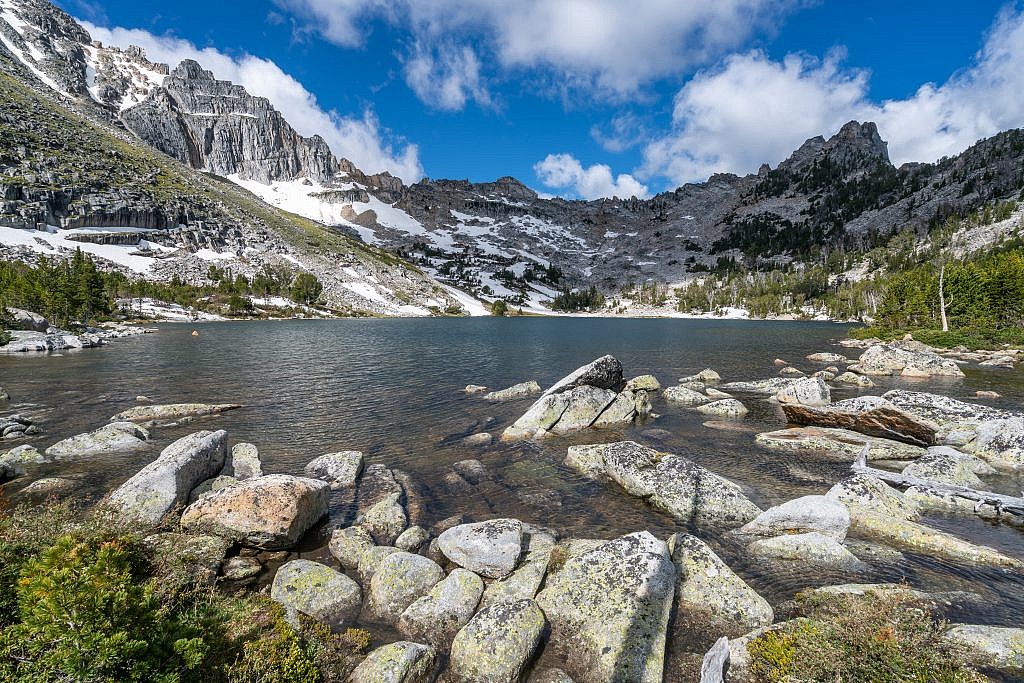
(392, 388)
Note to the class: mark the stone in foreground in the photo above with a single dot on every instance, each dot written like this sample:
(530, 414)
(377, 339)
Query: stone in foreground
(400, 579)
(609, 610)
(270, 512)
(317, 591)
(401, 662)
(497, 644)
(437, 617)
(166, 482)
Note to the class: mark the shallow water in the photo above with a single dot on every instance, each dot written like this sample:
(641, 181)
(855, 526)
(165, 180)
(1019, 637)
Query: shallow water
(392, 388)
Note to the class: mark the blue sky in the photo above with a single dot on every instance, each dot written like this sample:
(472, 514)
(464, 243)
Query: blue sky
(597, 97)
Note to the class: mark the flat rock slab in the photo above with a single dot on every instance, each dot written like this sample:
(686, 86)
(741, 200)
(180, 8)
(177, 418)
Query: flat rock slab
(271, 512)
(171, 411)
(117, 437)
(843, 444)
(810, 549)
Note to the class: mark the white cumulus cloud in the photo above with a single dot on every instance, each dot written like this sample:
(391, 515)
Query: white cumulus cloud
(606, 48)
(446, 77)
(360, 139)
(751, 109)
(565, 172)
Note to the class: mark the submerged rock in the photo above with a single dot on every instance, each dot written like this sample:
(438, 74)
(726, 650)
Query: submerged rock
(810, 549)
(341, 470)
(669, 483)
(490, 548)
(609, 610)
(517, 391)
(317, 591)
(844, 444)
(497, 644)
(167, 481)
(271, 512)
(171, 412)
(401, 662)
(116, 437)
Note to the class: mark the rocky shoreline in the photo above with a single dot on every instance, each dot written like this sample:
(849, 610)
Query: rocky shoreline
(502, 599)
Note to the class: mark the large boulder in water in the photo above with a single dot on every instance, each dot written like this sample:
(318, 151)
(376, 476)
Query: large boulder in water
(1001, 442)
(609, 610)
(603, 373)
(341, 470)
(810, 391)
(116, 437)
(317, 591)
(947, 412)
(809, 549)
(270, 512)
(521, 390)
(892, 359)
(490, 548)
(801, 515)
(670, 483)
(166, 482)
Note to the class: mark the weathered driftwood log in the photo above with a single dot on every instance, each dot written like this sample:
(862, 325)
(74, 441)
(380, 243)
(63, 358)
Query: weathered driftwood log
(712, 670)
(1010, 504)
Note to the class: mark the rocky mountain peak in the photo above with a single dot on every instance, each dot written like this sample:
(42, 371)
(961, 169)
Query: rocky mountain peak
(862, 137)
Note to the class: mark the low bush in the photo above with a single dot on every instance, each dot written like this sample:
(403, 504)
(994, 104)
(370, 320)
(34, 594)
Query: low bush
(876, 638)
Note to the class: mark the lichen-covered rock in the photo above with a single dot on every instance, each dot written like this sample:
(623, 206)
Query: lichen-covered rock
(890, 359)
(240, 568)
(790, 371)
(437, 617)
(166, 482)
(171, 412)
(643, 382)
(1001, 442)
(270, 512)
(496, 645)
(13, 462)
(943, 410)
(205, 488)
(116, 437)
(667, 482)
(195, 558)
(871, 494)
(341, 470)
(622, 410)
(526, 578)
(609, 610)
(684, 396)
(401, 579)
(908, 535)
(317, 591)
(603, 373)
(370, 560)
(810, 549)
(538, 419)
(770, 386)
(810, 391)
(245, 461)
(949, 466)
(401, 662)
(805, 514)
(586, 403)
(348, 545)
(854, 379)
(843, 444)
(726, 407)
(412, 539)
(710, 599)
(705, 376)
(385, 520)
(998, 647)
(826, 357)
(521, 390)
(490, 548)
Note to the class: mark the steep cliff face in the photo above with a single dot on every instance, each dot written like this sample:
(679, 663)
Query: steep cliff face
(219, 127)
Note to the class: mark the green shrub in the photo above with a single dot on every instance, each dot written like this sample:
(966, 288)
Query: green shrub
(875, 638)
(86, 614)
